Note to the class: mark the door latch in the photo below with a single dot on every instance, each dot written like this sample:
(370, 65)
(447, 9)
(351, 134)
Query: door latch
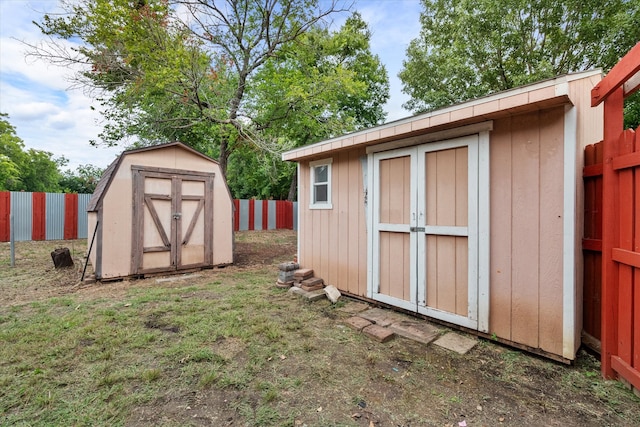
(177, 215)
(417, 229)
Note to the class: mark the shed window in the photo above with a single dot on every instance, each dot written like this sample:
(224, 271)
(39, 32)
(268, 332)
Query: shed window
(320, 184)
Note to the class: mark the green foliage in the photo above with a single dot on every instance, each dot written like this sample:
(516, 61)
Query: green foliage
(470, 48)
(83, 180)
(30, 170)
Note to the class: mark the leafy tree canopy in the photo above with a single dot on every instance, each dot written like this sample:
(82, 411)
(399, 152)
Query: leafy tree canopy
(470, 48)
(180, 68)
(30, 170)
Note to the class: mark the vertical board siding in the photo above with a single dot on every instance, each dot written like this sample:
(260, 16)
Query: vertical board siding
(527, 229)
(347, 218)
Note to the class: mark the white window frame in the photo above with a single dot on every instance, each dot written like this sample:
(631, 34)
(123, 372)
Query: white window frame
(312, 165)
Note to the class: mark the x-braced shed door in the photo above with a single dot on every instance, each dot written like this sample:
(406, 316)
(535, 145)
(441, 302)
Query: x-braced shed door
(425, 231)
(172, 219)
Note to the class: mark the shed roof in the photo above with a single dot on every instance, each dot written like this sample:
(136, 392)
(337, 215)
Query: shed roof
(536, 96)
(107, 176)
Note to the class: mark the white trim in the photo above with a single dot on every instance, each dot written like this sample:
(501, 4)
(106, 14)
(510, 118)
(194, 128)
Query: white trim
(477, 230)
(299, 212)
(632, 84)
(446, 230)
(441, 137)
(371, 198)
(312, 203)
(484, 236)
(569, 234)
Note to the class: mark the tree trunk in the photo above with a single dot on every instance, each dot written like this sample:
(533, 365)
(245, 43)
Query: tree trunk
(224, 157)
(293, 188)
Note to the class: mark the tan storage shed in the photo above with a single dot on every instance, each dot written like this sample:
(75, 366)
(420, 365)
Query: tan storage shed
(160, 209)
(471, 214)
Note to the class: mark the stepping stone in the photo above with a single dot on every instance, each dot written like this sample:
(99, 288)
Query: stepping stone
(416, 330)
(311, 296)
(357, 323)
(353, 307)
(456, 342)
(382, 317)
(379, 333)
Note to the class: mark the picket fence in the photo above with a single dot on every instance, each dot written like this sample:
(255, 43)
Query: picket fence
(55, 216)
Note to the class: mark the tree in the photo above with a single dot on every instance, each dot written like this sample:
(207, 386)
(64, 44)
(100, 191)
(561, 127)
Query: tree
(31, 170)
(323, 85)
(83, 180)
(198, 78)
(470, 48)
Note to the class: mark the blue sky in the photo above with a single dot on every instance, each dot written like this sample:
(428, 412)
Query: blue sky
(49, 115)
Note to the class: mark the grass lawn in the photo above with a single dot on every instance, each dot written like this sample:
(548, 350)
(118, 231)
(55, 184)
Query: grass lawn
(225, 347)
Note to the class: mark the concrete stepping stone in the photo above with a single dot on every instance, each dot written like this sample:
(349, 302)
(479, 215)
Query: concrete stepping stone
(415, 330)
(456, 342)
(357, 323)
(382, 317)
(308, 295)
(379, 333)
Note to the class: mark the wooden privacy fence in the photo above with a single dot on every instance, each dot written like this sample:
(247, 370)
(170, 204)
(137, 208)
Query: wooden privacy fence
(54, 216)
(620, 333)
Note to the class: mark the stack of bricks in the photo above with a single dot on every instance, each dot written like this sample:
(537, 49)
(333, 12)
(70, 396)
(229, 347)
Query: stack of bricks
(286, 274)
(305, 280)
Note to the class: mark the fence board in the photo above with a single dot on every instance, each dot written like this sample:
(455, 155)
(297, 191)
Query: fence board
(5, 216)
(54, 216)
(70, 216)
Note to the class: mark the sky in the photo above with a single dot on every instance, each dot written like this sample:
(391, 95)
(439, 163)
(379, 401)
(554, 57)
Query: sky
(48, 114)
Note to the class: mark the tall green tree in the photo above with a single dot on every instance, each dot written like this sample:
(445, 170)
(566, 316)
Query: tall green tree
(470, 48)
(184, 74)
(323, 85)
(30, 170)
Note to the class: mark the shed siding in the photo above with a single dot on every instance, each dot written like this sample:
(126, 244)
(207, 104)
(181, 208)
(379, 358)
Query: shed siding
(334, 241)
(526, 229)
(117, 209)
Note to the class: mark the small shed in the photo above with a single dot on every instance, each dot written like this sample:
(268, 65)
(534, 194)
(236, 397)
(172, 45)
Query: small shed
(470, 215)
(160, 209)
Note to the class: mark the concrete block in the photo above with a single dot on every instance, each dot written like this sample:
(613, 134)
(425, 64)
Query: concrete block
(379, 333)
(310, 296)
(332, 293)
(357, 323)
(289, 266)
(456, 342)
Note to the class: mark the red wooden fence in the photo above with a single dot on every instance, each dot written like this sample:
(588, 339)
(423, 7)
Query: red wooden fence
(620, 225)
(592, 246)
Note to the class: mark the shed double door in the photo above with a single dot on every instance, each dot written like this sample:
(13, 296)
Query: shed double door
(425, 239)
(172, 218)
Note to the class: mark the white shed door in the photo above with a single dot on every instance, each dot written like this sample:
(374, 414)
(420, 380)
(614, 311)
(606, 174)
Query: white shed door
(425, 234)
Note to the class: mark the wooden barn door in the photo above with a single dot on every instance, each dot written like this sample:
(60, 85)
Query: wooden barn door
(172, 218)
(425, 213)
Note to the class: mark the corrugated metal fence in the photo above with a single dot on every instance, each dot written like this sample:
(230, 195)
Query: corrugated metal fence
(53, 216)
(43, 216)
